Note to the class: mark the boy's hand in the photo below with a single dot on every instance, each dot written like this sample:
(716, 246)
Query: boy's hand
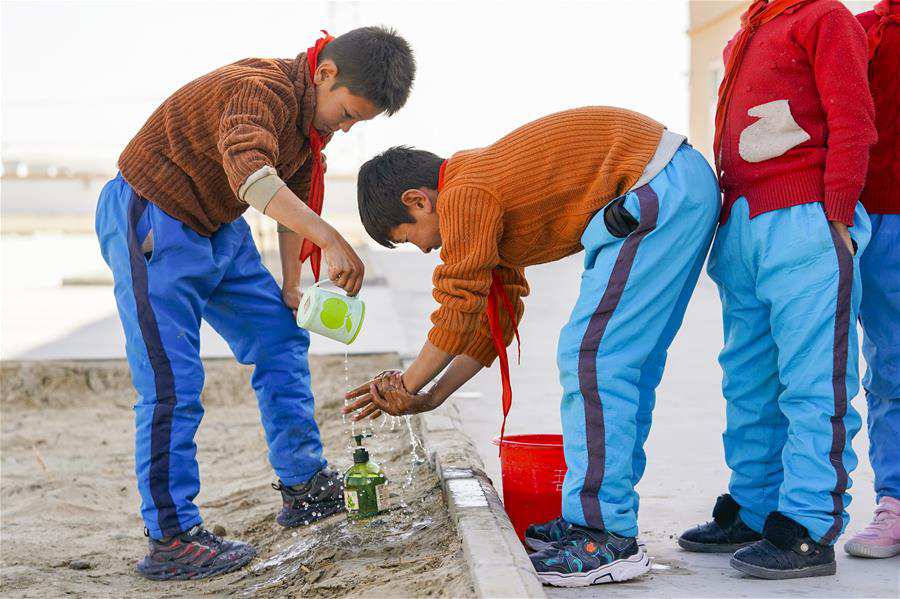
(292, 295)
(345, 269)
(844, 234)
(386, 393)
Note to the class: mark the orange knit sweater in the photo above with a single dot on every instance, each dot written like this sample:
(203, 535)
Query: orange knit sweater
(201, 144)
(525, 200)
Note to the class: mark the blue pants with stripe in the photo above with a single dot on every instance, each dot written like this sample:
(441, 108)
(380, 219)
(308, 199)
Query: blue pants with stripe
(161, 300)
(790, 292)
(880, 316)
(634, 292)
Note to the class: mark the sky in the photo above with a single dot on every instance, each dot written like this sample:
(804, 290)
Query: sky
(80, 78)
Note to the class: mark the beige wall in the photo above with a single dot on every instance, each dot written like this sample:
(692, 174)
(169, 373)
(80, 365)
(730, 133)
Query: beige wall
(712, 24)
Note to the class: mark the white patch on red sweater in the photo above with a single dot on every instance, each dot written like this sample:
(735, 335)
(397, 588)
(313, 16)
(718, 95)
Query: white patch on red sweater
(772, 135)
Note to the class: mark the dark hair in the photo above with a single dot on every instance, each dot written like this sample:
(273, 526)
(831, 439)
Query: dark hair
(382, 181)
(375, 63)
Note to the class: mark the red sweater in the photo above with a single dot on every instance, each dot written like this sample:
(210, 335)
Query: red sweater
(800, 122)
(882, 192)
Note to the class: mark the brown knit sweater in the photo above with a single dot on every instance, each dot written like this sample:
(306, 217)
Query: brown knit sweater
(201, 144)
(526, 200)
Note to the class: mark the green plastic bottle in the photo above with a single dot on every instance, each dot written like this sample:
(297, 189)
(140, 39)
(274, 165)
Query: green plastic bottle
(365, 485)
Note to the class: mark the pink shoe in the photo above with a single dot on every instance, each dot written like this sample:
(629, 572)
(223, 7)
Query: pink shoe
(881, 538)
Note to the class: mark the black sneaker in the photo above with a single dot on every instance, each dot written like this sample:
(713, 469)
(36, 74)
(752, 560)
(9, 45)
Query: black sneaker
(540, 536)
(786, 551)
(585, 556)
(725, 534)
(192, 555)
(319, 497)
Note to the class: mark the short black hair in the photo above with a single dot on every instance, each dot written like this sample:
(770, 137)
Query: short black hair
(382, 181)
(375, 63)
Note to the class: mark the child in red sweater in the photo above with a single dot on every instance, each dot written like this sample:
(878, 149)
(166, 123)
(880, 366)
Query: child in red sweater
(794, 125)
(880, 271)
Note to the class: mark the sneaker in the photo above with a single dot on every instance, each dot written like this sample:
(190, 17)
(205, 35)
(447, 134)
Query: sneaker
(319, 497)
(725, 534)
(786, 551)
(192, 555)
(881, 538)
(540, 536)
(585, 556)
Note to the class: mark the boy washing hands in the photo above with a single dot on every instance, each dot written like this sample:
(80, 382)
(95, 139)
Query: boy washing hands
(642, 204)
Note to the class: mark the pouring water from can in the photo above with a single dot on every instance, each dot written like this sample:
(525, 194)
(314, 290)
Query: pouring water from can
(330, 313)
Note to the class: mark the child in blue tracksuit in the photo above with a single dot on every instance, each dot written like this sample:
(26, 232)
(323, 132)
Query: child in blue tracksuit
(170, 229)
(793, 129)
(879, 311)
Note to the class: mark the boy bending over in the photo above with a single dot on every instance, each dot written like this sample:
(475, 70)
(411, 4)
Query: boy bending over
(642, 204)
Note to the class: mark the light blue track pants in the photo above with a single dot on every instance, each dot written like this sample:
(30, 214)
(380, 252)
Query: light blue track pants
(634, 292)
(880, 316)
(790, 292)
(161, 301)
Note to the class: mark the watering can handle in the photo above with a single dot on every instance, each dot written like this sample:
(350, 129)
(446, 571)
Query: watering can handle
(320, 283)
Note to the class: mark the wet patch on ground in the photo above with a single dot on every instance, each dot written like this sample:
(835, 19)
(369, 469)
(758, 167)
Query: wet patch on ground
(70, 521)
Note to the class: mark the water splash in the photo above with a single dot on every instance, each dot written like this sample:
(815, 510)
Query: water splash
(415, 444)
(417, 453)
(347, 401)
(281, 566)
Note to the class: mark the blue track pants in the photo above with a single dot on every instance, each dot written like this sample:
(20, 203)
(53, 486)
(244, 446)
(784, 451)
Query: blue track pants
(880, 316)
(634, 292)
(161, 300)
(790, 292)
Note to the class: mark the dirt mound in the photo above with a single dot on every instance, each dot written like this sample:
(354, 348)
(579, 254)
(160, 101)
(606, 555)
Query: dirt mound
(70, 522)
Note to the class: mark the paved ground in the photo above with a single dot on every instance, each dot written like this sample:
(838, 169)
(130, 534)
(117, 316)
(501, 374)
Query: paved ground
(686, 468)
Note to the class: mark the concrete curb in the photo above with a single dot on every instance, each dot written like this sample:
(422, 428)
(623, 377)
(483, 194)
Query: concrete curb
(497, 561)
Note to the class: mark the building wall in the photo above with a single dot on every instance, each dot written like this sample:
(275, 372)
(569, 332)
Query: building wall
(712, 24)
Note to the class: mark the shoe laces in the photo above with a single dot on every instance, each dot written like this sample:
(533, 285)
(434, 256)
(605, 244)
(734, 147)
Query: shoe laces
(204, 537)
(884, 516)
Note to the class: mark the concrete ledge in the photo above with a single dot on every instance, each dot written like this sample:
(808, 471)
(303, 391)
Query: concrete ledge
(497, 561)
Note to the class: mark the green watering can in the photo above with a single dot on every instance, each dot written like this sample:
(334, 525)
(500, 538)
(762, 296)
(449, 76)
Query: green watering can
(331, 314)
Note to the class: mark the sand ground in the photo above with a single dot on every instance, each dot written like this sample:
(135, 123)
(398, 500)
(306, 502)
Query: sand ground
(70, 519)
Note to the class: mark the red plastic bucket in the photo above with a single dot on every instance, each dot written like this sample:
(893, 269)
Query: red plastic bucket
(532, 468)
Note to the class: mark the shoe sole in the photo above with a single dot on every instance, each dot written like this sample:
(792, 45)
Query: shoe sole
(165, 571)
(858, 549)
(698, 547)
(770, 574)
(617, 571)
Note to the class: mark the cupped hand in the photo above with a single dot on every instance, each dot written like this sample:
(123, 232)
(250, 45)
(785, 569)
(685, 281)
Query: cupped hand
(386, 394)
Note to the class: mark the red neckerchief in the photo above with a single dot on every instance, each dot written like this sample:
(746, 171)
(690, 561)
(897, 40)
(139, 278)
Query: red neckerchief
(759, 13)
(883, 10)
(496, 295)
(317, 181)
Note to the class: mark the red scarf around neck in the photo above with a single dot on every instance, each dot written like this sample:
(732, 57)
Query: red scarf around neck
(497, 295)
(883, 10)
(759, 13)
(317, 181)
